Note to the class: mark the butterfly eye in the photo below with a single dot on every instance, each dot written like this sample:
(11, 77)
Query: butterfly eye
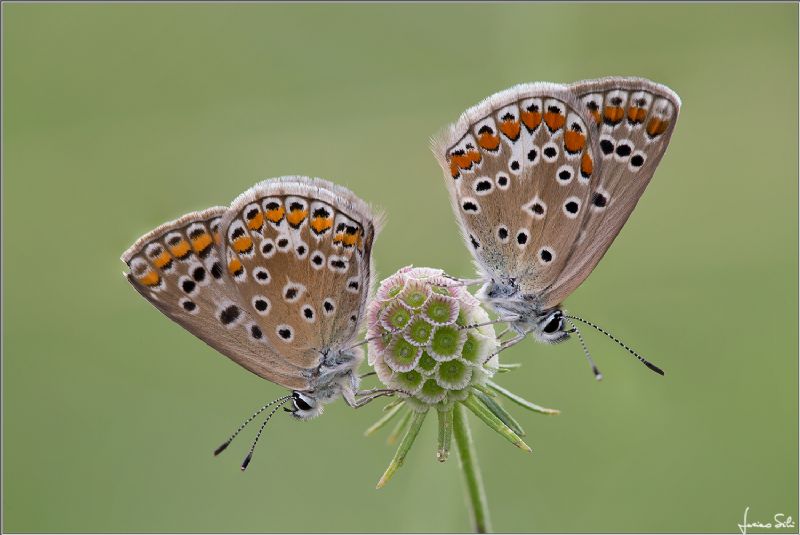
(300, 404)
(555, 324)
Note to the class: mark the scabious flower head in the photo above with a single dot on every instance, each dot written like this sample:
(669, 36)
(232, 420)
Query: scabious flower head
(430, 340)
(423, 339)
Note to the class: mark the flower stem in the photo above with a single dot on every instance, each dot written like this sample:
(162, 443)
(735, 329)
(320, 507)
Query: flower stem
(476, 494)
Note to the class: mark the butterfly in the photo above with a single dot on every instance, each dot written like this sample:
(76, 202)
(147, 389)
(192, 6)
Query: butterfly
(277, 282)
(542, 177)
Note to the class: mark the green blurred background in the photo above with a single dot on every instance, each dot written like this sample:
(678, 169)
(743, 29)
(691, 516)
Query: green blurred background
(119, 117)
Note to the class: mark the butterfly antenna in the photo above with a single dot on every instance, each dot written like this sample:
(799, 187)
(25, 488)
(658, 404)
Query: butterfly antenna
(241, 427)
(597, 374)
(260, 430)
(618, 341)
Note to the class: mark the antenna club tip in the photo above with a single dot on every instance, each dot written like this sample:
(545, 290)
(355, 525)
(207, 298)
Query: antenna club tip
(221, 448)
(655, 368)
(247, 461)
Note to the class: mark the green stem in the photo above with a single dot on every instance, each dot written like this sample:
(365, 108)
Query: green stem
(476, 495)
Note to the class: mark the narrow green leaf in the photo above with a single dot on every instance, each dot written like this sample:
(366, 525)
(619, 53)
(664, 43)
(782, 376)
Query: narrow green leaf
(385, 419)
(503, 368)
(445, 434)
(393, 404)
(501, 413)
(402, 449)
(480, 410)
(399, 428)
(485, 389)
(521, 401)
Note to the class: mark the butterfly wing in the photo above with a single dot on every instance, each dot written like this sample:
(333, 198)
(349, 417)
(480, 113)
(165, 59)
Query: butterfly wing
(178, 268)
(518, 167)
(298, 251)
(633, 119)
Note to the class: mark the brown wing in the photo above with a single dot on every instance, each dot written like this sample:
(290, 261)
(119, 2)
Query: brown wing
(178, 268)
(298, 251)
(633, 120)
(518, 168)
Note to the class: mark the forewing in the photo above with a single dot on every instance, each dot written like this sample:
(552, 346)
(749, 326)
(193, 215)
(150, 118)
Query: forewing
(179, 269)
(518, 168)
(633, 120)
(298, 250)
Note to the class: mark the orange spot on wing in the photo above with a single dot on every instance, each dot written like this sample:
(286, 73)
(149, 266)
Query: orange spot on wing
(242, 244)
(613, 114)
(596, 115)
(151, 278)
(338, 238)
(454, 172)
(350, 239)
(295, 217)
(201, 242)
(573, 141)
(637, 115)
(276, 215)
(234, 266)
(554, 121)
(531, 119)
(474, 157)
(321, 224)
(489, 141)
(586, 165)
(162, 260)
(656, 127)
(511, 129)
(217, 238)
(256, 222)
(181, 249)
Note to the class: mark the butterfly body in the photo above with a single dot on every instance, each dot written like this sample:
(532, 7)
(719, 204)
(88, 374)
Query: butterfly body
(277, 282)
(542, 177)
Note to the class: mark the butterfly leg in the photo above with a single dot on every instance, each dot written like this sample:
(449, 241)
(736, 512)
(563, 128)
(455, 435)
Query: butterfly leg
(459, 282)
(505, 345)
(361, 398)
(507, 319)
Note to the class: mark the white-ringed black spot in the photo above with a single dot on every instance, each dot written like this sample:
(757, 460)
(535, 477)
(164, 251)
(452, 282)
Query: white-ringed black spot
(607, 146)
(267, 248)
(283, 244)
(188, 285)
(301, 251)
(337, 264)
(483, 185)
(188, 306)
(502, 234)
(229, 314)
(261, 304)
(317, 260)
(515, 165)
(623, 150)
(255, 332)
(571, 207)
(546, 255)
(261, 275)
(285, 332)
(216, 270)
(328, 306)
(502, 181)
(352, 285)
(199, 274)
(637, 160)
(599, 200)
(308, 313)
(471, 206)
(522, 237)
(532, 154)
(550, 152)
